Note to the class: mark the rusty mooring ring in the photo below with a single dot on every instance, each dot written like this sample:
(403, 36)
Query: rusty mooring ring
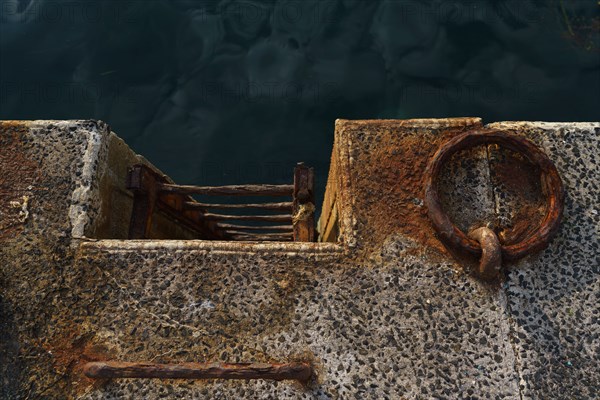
(552, 188)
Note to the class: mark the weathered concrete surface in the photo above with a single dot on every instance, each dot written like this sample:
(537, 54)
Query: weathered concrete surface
(379, 180)
(374, 331)
(50, 193)
(554, 297)
(42, 161)
(386, 313)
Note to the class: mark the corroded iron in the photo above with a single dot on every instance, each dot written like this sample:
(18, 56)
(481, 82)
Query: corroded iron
(231, 190)
(303, 208)
(297, 371)
(490, 263)
(287, 228)
(551, 184)
(153, 192)
(267, 218)
(260, 206)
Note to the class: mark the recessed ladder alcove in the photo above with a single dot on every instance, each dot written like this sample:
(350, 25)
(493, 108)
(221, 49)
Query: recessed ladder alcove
(291, 220)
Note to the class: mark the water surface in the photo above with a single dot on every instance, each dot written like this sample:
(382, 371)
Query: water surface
(220, 92)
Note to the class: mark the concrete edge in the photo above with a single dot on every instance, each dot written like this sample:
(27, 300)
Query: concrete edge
(115, 245)
(82, 194)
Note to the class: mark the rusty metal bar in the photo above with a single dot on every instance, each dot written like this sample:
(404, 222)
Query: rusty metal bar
(270, 218)
(256, 228)
(262, 238)
(289, 235)
(304, 204)
(298, 371)
(262, 206)
(232, 190)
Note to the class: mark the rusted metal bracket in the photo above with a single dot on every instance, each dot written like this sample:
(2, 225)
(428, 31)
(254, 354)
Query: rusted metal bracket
(304, 204)
(454, 238)
(298, 371)
(490, 263)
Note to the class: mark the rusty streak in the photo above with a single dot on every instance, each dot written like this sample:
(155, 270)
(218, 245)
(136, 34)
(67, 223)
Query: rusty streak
(298, 371)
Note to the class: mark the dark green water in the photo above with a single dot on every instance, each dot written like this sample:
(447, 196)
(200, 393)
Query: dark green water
(218, 92)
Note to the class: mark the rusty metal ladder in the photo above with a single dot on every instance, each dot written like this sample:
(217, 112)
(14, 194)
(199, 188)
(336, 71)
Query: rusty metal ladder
(154, 192)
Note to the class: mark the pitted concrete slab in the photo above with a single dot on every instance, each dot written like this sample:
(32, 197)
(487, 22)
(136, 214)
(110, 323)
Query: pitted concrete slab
(554, 296)
(386, 313)
(401, 326)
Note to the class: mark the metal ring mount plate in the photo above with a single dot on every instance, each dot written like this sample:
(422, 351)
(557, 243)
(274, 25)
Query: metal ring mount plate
(552, 189)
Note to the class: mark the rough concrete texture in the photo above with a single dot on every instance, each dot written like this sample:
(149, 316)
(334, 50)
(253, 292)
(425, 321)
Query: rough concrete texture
(50, 193)
(380, 178)
(554, 296)
(385, 313)
(42, 161)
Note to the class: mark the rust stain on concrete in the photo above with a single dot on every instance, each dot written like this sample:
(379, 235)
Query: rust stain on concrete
(389, 182)
(70, 351)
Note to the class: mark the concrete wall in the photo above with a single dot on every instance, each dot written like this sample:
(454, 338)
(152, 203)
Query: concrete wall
(385, 313)
(116, 201)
